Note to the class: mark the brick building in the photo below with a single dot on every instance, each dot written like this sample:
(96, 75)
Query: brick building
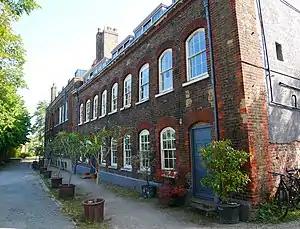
(193, 72)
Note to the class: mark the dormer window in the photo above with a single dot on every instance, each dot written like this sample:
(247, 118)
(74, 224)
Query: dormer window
(139, 32)
(120, 49)
(147, 25)
(115, 55)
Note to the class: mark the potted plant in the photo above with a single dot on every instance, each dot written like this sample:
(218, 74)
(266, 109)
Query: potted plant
(58, 150)
(225, 175)
(145, 161)
(48, 152)
(171, 192)
(70, 143)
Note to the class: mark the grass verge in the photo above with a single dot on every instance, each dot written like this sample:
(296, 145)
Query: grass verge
(121, 191)
(74, 209)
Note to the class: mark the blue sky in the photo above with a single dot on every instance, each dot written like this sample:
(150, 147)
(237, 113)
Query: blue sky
(60, 38)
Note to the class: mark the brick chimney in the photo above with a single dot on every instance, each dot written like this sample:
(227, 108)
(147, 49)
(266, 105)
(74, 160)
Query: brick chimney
(53, 92)
(106, 41)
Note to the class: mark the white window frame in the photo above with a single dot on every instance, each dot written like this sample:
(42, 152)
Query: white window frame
(60, 115)
(162, 150)
(104, 103)
(188, 57)
(127, 149)
(95, 106)
(143, 68)
(113, 141)
(127, 91)
(114, 98)
(161, 90)
(102, 153)
(142, 152)
(81, 113)
(66, 111)
(88, 110)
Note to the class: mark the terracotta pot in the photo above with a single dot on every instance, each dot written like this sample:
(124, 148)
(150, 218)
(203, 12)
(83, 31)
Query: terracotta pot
(42, 170)
(47, 174)
(55, 182)
(94, 209)
(66, 191)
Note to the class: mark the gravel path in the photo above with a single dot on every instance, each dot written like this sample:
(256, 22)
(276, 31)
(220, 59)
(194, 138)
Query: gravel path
(24, 204)
(139, 214)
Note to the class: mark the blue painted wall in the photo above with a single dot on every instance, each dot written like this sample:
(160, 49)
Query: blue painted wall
(128, 182)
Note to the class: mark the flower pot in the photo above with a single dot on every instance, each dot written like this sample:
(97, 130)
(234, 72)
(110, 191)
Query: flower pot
(55, 182)
(42, 170)
(176, 201)
(47, 174)
(229, 213)
(148, 191)
(41, 163)
(34, 165)
(94, 209)
(66, 192)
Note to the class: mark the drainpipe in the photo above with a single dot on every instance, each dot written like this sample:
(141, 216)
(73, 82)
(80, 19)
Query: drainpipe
(212, 68)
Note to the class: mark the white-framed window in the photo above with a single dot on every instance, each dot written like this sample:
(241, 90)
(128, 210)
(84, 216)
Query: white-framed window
(66, 111)
(196, 55)
(88, 110)
(144, 146)
(114, 153)
(144, 83)
(60, 115)
(103, 103)
(114, 97)
(165, 71)
(95, 107)
(127, 91)
(127, 151)
(81, 114)
(102, 155)
(168, 148)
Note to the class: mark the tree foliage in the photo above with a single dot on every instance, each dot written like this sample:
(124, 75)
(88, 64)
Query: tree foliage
(14, 117)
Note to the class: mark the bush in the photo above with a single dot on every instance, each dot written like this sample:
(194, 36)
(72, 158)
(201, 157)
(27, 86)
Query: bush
(23, 155)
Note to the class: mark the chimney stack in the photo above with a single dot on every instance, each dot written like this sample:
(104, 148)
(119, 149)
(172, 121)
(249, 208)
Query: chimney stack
(53, 92)
(106, 41)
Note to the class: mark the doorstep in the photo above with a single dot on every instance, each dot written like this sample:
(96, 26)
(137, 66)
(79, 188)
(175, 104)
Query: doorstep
(204, 205)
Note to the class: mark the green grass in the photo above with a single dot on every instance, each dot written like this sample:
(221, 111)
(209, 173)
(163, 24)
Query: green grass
(74, 209)
(121, 191)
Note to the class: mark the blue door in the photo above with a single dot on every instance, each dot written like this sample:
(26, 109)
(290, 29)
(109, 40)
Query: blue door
(200, 136)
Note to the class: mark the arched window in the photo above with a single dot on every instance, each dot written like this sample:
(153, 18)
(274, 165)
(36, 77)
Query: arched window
(127, 152)
(294, 101)
(103, 103)
(88, 110)
(127, 91)
(165, 71)
(144, 147)
(168, 148)
(95, 107)
(144, 83)
(114, 98)
(81, 114)
(114, 153)
(196, 55)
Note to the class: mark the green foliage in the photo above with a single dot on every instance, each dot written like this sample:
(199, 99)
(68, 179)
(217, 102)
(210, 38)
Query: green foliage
(14, 118)
(225, 174)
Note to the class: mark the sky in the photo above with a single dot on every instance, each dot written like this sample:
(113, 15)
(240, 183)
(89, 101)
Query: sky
(61, 37)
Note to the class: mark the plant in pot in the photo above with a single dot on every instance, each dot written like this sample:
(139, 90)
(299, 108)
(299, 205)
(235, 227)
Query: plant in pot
(171, 192)
(145, 160)
(58, 151)
(71, 143)
(48, 154)
(95, 143)
(226, 176)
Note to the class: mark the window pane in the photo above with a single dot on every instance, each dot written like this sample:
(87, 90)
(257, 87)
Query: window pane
(167, 80)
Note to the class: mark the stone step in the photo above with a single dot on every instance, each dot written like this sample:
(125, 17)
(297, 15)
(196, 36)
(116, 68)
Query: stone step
(204, 205)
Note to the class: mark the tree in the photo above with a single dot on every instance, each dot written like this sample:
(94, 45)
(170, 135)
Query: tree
(14, 118)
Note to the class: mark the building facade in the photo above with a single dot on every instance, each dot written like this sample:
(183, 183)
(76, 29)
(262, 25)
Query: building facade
(194, 72)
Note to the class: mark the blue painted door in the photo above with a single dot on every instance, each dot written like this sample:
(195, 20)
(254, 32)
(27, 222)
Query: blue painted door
(201, 136)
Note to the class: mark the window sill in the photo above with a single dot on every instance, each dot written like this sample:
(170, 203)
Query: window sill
(126, 107)
(112, 112)
(103, 165)
(94, 119)
(169, 173)
(113, 167)
(87, 121)
(102, 116)
(143, 101)
(127, 169)
(199, 78)
(143, 171)
(80, 124)
(164, 93)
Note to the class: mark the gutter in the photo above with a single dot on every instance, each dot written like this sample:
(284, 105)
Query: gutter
(212, 69)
